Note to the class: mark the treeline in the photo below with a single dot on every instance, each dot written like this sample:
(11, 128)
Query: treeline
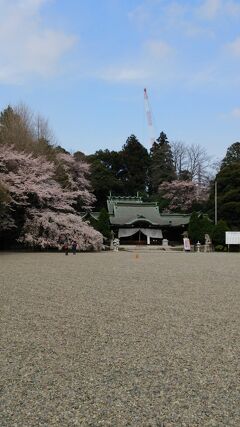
(134, 170)
(180, 177)
(44, 189)
(228, 189)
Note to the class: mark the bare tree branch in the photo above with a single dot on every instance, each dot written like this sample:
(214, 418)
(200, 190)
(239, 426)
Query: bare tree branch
(179, 151)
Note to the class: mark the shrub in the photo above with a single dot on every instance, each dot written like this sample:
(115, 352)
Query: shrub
(218, 234)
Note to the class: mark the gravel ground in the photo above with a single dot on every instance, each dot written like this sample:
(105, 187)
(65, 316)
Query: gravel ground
(109, 339)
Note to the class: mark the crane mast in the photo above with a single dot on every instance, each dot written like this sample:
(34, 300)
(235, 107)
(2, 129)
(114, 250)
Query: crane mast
(149, 117)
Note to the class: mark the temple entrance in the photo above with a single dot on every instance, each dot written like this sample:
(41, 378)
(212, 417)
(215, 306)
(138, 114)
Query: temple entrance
(136, 239)
(140, 236)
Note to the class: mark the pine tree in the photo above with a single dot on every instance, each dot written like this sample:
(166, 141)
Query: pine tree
(199, 225)
(162, 166)
(103, 224)
(136, 163)
(228, 195)
(232, 155)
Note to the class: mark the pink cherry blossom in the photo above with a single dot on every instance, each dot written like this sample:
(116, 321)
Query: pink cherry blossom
(50, 215)
(182, 194)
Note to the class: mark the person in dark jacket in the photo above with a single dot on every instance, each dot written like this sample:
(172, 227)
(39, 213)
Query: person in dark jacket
(65, 248)
(74, 247)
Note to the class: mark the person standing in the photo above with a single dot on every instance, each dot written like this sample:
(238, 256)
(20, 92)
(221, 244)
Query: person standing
(65, 248)
(74, 247)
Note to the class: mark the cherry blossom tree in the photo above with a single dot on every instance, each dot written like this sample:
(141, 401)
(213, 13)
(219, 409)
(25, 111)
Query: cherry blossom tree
(48, 229)
(48, 210)
(6, 222)
(77, 174)
(182, 194)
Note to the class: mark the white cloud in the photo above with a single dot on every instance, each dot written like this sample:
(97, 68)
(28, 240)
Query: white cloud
(210, 9)
(234, 47)
(236, 113)
(175, 17)
(205, 76)
(158, 49)
(124, 74)
(153, 60)
(192, 30)
(233, 114)
(232, 8)
(140, 15)
(27, 47)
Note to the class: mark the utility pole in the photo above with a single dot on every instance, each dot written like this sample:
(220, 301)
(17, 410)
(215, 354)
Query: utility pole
(216, 219)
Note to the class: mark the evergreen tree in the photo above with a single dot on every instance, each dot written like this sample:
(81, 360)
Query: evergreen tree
(194, 227)
(106, 171)
(122, 173)
(228, 195)
(232, 155)
(162, 166)
(184, 175)
(136, 163)
(103, 224)
(6, 116)
(199, 225)
(218, 234)
(20, 128)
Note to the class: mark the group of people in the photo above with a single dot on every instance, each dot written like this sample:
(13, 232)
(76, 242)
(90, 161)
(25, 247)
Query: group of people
(73, 245)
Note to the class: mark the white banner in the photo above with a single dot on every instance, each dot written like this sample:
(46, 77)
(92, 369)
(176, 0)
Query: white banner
(127, 232)
(186, 244)
(149, 232)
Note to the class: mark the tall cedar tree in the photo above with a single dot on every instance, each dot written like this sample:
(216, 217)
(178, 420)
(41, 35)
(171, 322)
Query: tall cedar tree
(228, 184)
(136, 164)
(162, 166)
(103, 224)
(106, 171)
(232, 155)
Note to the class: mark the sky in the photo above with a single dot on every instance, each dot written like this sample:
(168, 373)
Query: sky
(83, 64)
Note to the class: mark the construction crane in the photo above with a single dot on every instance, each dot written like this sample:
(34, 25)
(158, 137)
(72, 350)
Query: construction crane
(149, 117)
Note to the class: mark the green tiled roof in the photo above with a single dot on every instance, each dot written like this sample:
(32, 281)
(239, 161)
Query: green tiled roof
(128, 215)
(129, 210)
(112, 201)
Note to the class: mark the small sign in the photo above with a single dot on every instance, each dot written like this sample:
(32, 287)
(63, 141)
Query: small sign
(232, 237)
(186, 244)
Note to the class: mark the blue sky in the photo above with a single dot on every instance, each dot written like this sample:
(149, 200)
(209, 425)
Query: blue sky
(83, 64)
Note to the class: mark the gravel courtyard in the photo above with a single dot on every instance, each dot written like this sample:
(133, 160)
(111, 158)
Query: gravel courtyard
(109, 339)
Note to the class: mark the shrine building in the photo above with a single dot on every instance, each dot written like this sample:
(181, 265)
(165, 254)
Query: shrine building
(136, 222)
